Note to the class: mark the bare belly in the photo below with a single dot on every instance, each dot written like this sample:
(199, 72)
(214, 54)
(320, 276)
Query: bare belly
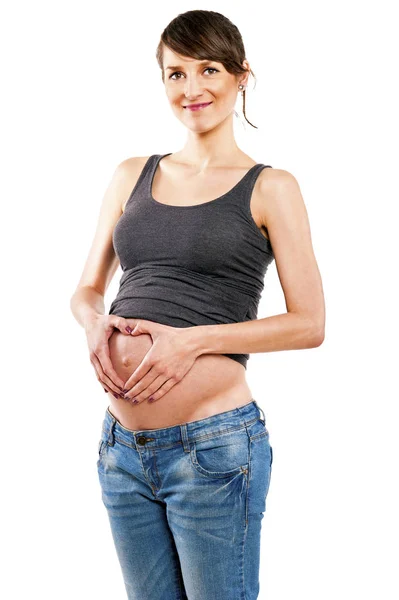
(214, 384)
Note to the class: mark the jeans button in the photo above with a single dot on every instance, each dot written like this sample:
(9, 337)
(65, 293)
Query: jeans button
(141, 440)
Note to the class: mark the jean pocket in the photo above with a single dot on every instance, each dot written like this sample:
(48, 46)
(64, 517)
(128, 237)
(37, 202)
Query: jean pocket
(223, 455)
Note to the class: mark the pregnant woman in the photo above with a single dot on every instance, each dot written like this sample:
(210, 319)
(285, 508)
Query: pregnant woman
(184, 456)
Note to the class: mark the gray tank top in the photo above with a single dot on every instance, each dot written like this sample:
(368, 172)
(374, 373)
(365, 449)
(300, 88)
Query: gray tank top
(192, 265)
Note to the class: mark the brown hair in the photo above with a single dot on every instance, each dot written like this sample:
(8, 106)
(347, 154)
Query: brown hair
(206, 35)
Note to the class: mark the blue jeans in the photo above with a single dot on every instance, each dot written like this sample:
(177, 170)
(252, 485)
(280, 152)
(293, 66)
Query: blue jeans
(185, 504)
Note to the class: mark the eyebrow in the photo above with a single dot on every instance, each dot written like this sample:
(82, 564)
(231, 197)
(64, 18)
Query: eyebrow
(202, 62)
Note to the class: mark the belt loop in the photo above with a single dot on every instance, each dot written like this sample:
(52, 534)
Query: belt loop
(261, 411)
(184, 437)
(111, 436)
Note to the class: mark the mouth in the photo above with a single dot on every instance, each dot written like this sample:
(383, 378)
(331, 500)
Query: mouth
(197, 106)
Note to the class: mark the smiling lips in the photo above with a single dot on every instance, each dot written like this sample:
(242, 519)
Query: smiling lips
(197, 106)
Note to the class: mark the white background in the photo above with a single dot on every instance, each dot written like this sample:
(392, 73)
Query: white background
(81, 92)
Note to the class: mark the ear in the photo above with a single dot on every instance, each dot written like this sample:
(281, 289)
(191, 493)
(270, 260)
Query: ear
(245, 76)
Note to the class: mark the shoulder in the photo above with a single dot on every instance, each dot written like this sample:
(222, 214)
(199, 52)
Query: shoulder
(131, 165)
(274, 179)
(279, 196)
(278, 185)
(126, 175)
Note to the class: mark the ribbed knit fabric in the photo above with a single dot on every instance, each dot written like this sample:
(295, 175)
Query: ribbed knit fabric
(191, 265)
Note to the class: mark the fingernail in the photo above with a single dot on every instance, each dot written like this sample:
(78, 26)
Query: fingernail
(115, 395)
(150, 399)
(106, 391)
(135, 401)
(129, 329)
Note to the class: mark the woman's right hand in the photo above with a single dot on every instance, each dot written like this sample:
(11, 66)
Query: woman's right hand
(98, 331)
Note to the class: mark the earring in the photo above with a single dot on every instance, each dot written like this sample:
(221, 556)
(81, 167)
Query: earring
(242, 88)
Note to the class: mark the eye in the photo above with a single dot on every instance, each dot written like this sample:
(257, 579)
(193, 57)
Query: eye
(180, 73)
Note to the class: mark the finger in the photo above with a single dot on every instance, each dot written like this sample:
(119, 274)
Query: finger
(107, 389)
(140, 326)
(137, 376)
(149, 390)
(108, 369)
(122, 324)
(164, 389)
(117, 396)
(102, 377)
(137, 391)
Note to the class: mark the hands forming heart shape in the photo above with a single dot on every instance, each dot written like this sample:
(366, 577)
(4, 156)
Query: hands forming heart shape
(170, 358)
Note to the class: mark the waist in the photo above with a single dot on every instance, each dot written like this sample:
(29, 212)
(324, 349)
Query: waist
(229, 420)
(214, 384)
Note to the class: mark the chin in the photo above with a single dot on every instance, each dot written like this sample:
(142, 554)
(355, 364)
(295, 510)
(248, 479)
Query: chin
(203, 129)
(201, 126)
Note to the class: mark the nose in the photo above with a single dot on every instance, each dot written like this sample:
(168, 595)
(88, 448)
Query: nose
(192, 88)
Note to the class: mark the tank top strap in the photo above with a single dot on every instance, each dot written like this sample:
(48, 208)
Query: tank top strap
(152, 165)
(252, 175)
(142, 188)
(242, 193)
(147, 174)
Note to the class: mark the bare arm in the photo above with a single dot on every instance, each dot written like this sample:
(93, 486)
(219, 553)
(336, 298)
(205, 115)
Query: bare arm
(86, 305)
(102, 263)
(87, 302)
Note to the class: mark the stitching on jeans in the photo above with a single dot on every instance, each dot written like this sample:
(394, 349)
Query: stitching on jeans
(248, 482)
(215, 474)
(231, 430)
(259, 435)
(195, 439)
(246, 516)
(156, 468)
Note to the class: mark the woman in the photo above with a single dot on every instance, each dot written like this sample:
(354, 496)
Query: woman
(184, 455)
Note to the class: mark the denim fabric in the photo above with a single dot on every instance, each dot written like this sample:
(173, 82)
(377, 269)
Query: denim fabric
(185, 504)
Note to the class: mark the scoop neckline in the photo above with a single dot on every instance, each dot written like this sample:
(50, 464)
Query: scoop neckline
(193, 205)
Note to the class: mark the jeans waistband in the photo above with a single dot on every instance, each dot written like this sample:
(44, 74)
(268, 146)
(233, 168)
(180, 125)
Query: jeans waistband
(185, 432)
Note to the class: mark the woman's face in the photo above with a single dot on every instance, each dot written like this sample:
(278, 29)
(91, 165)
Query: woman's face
(190, 81)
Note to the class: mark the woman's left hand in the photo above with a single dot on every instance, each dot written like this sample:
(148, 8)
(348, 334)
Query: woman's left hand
(169, 359)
